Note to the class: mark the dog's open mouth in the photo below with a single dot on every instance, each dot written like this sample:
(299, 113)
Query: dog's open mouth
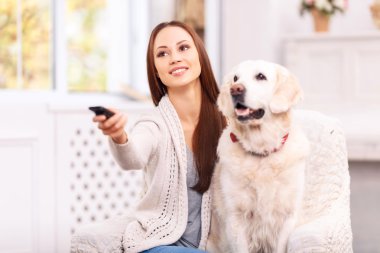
(244, 113)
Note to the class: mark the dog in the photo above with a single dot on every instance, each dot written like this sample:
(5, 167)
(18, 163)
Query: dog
(258, 182)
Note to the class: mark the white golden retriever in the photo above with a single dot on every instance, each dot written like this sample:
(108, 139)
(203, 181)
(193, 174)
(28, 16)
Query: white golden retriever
(258, 183)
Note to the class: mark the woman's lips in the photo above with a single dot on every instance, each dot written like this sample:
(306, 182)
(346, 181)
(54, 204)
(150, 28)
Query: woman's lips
(178, 71)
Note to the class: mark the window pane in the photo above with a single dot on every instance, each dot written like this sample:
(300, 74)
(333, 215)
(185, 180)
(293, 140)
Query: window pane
(25, 28)
(86, 28)
(8, 44)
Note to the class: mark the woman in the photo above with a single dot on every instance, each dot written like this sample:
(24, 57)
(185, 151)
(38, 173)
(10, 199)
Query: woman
(175, 145)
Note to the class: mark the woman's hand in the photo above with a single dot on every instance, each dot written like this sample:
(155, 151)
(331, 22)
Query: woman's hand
(114, 126)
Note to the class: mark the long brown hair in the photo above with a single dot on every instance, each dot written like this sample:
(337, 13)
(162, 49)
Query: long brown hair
(211, 122)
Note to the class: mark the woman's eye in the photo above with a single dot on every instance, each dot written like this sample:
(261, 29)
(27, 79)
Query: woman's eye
(161, 54)
(260, 77)
(183, 47)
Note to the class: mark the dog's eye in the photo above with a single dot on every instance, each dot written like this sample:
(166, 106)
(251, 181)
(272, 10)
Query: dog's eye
(260, 76)
(235, 78)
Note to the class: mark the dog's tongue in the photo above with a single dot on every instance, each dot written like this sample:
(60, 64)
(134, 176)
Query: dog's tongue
(242, 112)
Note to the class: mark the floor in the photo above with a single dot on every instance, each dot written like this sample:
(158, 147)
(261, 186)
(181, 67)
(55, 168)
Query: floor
(365, 206)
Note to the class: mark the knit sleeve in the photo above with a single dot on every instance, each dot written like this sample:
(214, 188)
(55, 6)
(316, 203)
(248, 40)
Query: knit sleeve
(142, 143)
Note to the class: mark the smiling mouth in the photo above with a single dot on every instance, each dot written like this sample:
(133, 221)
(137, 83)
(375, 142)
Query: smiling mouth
(178, 71)
(244, 113)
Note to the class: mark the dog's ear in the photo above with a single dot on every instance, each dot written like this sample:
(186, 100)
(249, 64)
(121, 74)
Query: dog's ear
(224, 97)
(287, 91)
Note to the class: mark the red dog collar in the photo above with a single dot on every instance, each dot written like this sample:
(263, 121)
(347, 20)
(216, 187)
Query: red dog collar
(284, 139)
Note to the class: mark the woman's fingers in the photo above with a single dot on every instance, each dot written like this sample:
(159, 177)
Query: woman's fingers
(112, 121)
(99, 118)
(113, 126)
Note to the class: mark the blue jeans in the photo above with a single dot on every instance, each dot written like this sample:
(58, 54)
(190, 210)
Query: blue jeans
(173, 249)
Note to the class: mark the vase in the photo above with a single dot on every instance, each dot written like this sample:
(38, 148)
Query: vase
(321, 21)
(375, 10)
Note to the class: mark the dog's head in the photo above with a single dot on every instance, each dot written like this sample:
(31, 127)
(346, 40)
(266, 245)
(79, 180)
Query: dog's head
(253, 90)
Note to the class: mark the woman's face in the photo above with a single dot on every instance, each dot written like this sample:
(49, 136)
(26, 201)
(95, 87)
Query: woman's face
(176, 57)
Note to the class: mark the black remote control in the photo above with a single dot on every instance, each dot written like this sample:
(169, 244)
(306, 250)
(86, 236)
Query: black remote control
(100, 110)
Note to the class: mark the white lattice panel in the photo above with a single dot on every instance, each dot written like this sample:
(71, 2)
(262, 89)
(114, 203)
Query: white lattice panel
(99, 189)
(91, 186)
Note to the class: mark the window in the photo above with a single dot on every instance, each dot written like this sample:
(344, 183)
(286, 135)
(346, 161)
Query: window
(86, 46)
(72, 45)
(25, 44)
(86, 30)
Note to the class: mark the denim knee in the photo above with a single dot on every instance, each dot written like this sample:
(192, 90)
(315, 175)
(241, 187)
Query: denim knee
(173, 249)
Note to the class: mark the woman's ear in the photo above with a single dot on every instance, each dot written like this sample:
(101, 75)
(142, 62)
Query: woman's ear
(287, 91)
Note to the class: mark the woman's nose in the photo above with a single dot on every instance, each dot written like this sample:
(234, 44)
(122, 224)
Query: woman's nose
(175, 57)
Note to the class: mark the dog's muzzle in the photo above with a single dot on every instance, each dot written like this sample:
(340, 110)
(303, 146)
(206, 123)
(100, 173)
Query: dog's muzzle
(242, 111)
(245, 113)
(237, 93)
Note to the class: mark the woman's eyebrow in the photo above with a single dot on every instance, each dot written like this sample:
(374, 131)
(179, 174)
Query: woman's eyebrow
(181, 42)
(161, 47)
(176, 44)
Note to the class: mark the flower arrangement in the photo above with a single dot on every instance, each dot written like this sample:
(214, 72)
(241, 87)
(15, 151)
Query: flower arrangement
(326, 7)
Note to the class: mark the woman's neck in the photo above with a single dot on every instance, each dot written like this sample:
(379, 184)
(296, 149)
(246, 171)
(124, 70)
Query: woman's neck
(187, 102)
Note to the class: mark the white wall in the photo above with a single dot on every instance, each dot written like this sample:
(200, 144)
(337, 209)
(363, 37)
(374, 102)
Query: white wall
(26, 178)
(254, 29)
(161, 11)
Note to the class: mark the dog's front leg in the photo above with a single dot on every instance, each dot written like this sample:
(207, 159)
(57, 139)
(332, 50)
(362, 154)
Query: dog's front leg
(284, 235)
(236, 236)
(291, 221)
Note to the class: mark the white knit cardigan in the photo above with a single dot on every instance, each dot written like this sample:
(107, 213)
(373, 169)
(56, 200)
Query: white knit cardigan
(157, 146)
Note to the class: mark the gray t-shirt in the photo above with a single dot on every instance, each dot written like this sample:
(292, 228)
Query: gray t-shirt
(192, 235)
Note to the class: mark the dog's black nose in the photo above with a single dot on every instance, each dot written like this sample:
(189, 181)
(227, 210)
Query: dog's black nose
(237, 90)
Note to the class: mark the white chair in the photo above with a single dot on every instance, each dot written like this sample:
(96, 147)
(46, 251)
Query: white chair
(327, 197)
(327, 226)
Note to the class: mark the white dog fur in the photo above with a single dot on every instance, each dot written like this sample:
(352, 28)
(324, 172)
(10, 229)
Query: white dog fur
(258, 184)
